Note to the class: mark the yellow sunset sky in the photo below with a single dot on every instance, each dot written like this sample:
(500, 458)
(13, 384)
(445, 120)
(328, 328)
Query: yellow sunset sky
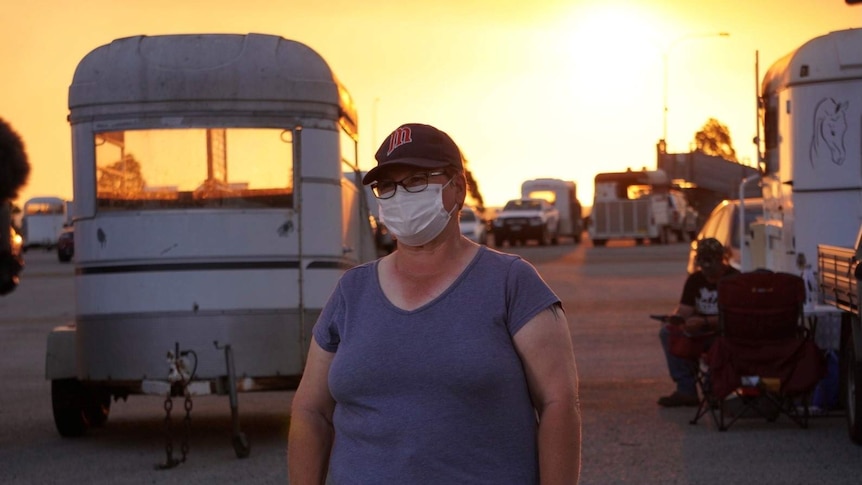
(528, 89)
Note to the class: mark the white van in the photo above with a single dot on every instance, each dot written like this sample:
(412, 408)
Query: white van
(562, 194)
(42, 222)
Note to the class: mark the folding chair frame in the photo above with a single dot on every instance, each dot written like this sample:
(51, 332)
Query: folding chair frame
(752, 397)
(753, 392)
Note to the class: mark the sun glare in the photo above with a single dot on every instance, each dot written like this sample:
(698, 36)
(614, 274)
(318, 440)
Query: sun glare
(617, 40)
(612, 54)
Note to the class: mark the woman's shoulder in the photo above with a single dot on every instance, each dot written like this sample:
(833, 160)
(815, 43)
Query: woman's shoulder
(359, 273)
(492, 255)
(511, 264)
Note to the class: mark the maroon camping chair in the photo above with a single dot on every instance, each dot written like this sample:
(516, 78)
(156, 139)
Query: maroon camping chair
(763, 354)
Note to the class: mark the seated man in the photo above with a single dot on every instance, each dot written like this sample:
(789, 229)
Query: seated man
(698, 312)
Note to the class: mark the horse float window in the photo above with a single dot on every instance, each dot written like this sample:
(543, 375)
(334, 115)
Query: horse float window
(221, 168)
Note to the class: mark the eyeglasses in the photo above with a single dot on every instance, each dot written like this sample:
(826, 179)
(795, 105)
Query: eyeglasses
(385, 189)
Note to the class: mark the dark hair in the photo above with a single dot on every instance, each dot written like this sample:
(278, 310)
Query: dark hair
(14, 168)
(709, 248)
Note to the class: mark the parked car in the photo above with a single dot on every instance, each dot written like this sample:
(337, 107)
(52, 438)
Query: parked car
(525, 219)
(383, 239)
(473, 225)
(723, 224)
(683, 216)
(66, 245)
(16, 242)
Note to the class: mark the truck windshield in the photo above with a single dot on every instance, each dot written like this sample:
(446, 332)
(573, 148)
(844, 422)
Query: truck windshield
(523, 205)
(194, 168)
(638, 191)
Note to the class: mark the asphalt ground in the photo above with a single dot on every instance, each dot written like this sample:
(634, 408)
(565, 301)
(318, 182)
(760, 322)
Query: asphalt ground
(608, 294)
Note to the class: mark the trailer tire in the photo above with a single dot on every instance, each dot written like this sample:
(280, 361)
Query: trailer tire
(853, 392)
(68, 400)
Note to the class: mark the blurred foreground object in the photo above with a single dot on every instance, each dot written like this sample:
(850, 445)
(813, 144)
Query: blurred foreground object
(14, 170)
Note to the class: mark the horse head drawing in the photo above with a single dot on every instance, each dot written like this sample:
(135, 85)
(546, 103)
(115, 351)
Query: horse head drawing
(827, 140)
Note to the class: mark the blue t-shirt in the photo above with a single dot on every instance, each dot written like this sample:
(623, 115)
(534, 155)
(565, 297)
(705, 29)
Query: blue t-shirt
(437, 394)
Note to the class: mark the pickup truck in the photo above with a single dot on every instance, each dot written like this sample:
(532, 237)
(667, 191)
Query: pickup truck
(525, 219)
(839, 274)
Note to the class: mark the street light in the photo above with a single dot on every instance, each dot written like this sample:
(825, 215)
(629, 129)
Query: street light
(665, 56)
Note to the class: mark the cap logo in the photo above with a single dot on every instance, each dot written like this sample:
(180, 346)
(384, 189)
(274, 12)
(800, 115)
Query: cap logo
(399, 137)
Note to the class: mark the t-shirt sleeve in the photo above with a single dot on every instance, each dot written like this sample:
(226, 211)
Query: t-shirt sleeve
(325, 330)
(689, 291)
(527, 294)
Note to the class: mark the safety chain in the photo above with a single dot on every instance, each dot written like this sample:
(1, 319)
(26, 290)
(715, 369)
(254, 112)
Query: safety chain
(170, 461)
(187, 425)
(180, 376)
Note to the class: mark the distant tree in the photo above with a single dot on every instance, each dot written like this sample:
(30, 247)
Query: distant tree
(714, 139)
(122, 178)
(472, 187)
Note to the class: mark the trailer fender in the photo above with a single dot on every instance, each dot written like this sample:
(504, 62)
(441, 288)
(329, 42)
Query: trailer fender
(60, 355)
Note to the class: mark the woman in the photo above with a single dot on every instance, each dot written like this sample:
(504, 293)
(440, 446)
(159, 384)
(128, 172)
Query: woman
(442, 362)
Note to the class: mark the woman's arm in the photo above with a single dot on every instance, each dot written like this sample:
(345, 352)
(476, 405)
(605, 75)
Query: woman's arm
(311, 434)
(545, 347)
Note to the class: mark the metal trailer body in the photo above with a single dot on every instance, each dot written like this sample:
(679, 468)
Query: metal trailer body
(212, 216)
(563, 194)
(42, 221)
(811, 110)
(632, 205)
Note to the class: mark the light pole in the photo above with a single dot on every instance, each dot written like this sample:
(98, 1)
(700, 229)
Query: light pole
(665, 56)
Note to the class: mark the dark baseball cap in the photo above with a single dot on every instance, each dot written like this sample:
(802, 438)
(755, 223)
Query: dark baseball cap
(416, 145)
(709, 252)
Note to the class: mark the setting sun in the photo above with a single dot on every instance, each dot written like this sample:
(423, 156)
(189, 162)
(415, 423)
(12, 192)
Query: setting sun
(563, 89)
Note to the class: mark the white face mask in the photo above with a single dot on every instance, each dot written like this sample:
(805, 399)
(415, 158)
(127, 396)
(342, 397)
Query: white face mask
(416, 218)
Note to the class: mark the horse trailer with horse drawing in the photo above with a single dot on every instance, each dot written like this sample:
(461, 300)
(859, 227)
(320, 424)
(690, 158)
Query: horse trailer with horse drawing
(811, 108)
(811, 112)
(212, 216)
